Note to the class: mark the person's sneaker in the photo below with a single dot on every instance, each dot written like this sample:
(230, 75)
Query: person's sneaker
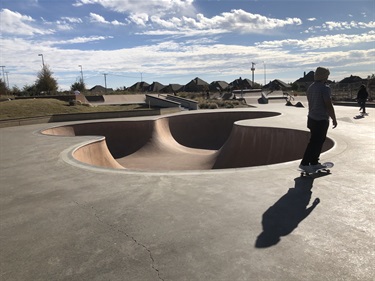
(318, 167)
(307, 168)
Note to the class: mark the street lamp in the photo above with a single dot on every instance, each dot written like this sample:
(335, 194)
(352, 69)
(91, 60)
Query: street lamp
(81, 73)
(3, 66)
(41, 55)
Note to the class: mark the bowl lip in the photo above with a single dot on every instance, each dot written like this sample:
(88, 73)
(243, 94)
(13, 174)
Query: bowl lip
(67, 155)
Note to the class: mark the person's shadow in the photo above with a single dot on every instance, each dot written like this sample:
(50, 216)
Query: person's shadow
(285, 215)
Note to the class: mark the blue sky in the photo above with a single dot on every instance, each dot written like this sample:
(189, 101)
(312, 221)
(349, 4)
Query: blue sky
(174, 41)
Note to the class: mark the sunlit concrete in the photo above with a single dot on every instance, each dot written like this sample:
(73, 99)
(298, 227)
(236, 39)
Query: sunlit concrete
(62, 219)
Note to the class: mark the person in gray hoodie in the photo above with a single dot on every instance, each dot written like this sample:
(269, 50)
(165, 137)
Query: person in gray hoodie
(320, 110)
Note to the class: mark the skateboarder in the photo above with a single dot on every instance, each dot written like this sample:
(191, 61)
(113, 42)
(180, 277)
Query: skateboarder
(362, 96)
(320, 110)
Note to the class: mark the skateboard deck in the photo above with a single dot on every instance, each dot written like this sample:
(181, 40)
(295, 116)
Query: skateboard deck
(325, 170)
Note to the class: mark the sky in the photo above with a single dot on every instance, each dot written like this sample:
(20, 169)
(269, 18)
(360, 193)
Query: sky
(116, 43)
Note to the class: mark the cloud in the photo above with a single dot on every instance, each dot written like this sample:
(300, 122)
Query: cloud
(334, 26)
(71, 20)
(14, 23)
(159, 7)
(100, 19)
(80, 40)
(320, 42)
(234, 21)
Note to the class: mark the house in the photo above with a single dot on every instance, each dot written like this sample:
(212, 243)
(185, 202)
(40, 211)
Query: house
(155, 87)
(218, 86)
(304, 82)
(196, 85)
(241, 84)
(171, 88)
(352, 79)
(139, 87)
(277, 85)
(100, 90)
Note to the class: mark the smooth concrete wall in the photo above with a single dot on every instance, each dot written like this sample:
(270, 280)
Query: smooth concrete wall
(206, 141)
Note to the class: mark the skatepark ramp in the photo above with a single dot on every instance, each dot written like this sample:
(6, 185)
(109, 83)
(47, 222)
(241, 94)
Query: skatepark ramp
(186, 103)
(199, 141)
(154, 101)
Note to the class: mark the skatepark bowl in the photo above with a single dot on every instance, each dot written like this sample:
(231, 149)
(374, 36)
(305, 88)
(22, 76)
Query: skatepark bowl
(199, 141)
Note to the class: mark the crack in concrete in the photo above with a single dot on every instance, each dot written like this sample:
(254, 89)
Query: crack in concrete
(115, 228)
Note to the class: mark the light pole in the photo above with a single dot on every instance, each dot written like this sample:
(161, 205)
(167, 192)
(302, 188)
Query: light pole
(81, 73)
(3, 66)
(6, 72)
(41, 55)
(265, 73)
(105, 81)
(252, 70)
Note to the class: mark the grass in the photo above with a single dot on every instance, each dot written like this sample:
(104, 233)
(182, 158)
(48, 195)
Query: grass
(45, 107)
(26, 108)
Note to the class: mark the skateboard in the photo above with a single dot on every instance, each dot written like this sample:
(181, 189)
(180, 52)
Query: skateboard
(325, 170)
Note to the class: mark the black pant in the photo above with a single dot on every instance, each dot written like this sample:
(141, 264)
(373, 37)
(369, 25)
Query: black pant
(362, 104)
(318, 133)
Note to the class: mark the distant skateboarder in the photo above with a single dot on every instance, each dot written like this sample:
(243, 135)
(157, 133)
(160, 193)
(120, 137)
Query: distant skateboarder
(320, 110)
(362, 96)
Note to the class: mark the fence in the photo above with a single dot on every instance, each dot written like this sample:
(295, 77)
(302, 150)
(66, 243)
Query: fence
(348, 91)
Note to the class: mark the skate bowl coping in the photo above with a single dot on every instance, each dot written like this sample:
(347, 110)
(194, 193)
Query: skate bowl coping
(199, 141)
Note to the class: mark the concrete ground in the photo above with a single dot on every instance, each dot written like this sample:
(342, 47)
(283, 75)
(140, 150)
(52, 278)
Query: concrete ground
(61, 220)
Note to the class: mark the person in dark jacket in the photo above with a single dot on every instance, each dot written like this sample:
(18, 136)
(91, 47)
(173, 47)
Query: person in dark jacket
(362, 96)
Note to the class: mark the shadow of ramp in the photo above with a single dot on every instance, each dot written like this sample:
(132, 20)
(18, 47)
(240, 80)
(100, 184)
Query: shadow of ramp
(285, 215)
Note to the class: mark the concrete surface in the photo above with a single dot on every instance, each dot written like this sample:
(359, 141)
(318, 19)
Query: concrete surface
(64, 220)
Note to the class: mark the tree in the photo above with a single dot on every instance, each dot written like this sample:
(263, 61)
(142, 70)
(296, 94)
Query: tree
(79, 86)
(46, 83)
(3, 88)
(29, 90)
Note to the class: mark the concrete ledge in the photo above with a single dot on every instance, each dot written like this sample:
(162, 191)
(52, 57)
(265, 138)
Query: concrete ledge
(85, 116)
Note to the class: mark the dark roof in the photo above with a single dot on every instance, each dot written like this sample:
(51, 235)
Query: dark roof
(195, 85)
(155, 87)
(241, 84)
(277, 84)
(352, 79)
(218, 85)
(99, 88)
(171, 88)
(139, 86)
(309, 77)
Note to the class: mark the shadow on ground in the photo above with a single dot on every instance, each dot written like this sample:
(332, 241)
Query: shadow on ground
(285, 215)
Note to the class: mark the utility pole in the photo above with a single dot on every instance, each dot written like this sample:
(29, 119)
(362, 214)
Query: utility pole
(265, 75)
(252, 70)
(6, 72)
(105, 81)
(41, 55)
(81, 74)
(3, 66)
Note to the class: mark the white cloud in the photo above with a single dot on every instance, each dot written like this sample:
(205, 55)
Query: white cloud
(97, 18)
(321, 42)
(234, 21)
(159, 7)
(71, 20)
(14, 23)
(80, 40)
(345, 25)
(171, 58)
(100, 19)
(139, 19)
